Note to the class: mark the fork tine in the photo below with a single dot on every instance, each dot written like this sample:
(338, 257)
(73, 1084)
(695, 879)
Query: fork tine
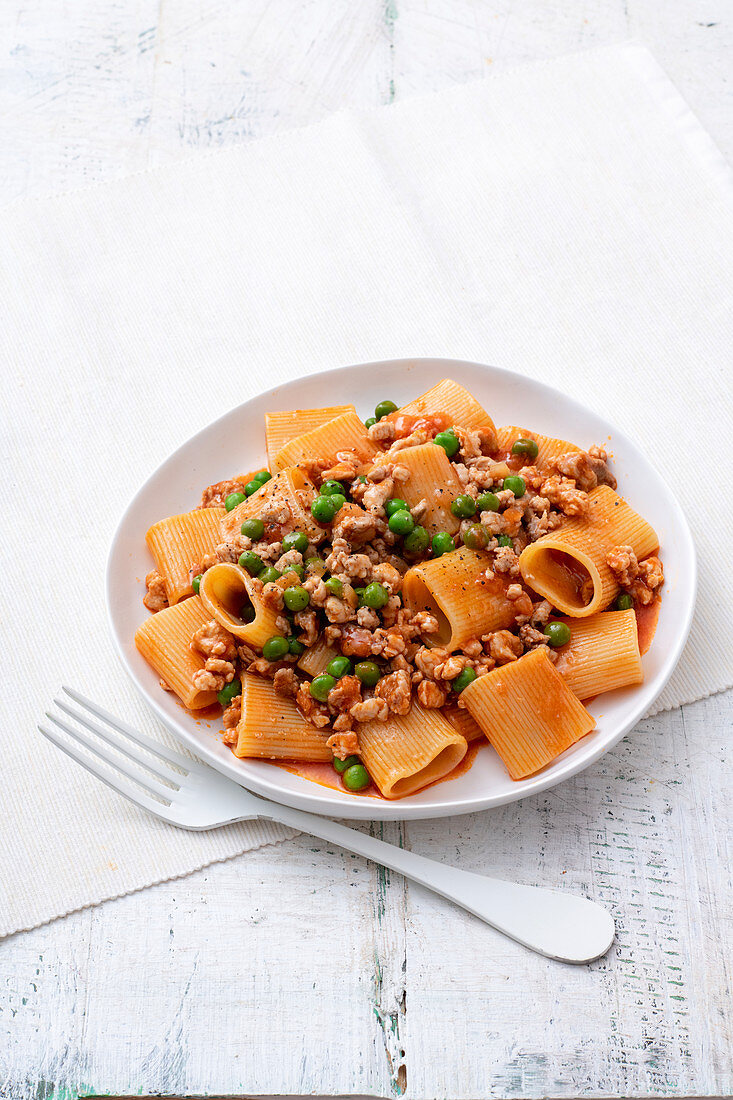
(149, 785)
(134, 735)
(119, 743)
(115, 782)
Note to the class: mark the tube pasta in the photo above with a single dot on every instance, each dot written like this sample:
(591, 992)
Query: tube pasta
(406, 753)
(290, 488)
(317, 659)
(602, 654)
(433, 479)
(455, 588)
(225, 590)
(459, 406)
(344, 433)
(178, 545)
(528, 712)
(164, 640)
(271, 727)
(549, 447)
(282, 427)
(568, 566)
(464, 723)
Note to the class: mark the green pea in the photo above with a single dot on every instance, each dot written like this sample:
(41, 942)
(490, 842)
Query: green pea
(526, 447)
(475, 537)
(360, 593)
(296, 540)
(229, 691)
(384, 408)
(516, 484)
(248, 614)
(296, 598)
(330, 487)
(623, 603)
(295, 647)
(324, 509)
(253, 528)
(338, 500)
(504, 540)
(342, 765)
(334, 586)
(463, 679)
(270, 573)
(195, 584)
(417, 541)
(297, 569)
(368, 672)
(558, 633)
(233, 500)
(449, 441)
(252, 562)
(488, 502)
(262, 476)
(356, 778)
(252, 487)
(338, 667)
(396, 505)
(463, 506)
(315, 565)
(442, 544)
(375, 595)
(401, 523)
(372, 420)
(320, 687)
(361, 479)
(275, 648)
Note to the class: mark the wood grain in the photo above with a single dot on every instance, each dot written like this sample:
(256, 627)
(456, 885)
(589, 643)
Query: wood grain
(299, 969)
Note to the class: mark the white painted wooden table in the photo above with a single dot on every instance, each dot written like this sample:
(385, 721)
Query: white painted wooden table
(298, 968)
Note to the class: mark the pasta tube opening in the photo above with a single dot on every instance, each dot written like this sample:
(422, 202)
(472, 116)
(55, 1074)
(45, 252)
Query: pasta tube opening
(569, 574)
(446, 760)
(228, 594)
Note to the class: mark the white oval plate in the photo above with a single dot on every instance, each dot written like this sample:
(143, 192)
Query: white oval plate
(236, 442)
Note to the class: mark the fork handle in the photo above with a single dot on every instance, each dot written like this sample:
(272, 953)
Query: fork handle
(559, 925)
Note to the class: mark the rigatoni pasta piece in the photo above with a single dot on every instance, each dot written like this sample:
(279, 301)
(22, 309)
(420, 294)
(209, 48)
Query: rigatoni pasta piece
(164, 640)
(528, 712)
(344, 433)
(459, 406)
(272, 728)
(602, 654)
(282, 427)
(178, 545)
(433, 479)
(464, 723)
(568, 566)
(316, 659)
(548, 446)
(405, 753)
(290, 490)
(455, 588)
(226, 590)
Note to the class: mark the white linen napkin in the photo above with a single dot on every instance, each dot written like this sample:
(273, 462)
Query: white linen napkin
(568, 219)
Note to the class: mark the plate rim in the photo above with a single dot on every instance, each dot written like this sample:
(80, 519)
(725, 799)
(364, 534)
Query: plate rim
(386, 810)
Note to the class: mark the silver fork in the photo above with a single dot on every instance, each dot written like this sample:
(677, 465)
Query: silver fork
(190, 794)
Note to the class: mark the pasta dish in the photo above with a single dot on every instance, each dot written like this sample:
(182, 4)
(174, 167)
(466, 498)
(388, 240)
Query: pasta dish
(385, 595)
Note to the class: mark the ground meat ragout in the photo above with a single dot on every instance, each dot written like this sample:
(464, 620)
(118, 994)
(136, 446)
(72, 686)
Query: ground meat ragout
(336, 583)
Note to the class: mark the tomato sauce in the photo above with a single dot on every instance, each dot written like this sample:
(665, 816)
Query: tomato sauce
(646, 623)
(405, 424)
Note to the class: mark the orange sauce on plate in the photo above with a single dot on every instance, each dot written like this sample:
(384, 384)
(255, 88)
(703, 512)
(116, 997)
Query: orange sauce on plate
(646, 623)
(405, 424)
